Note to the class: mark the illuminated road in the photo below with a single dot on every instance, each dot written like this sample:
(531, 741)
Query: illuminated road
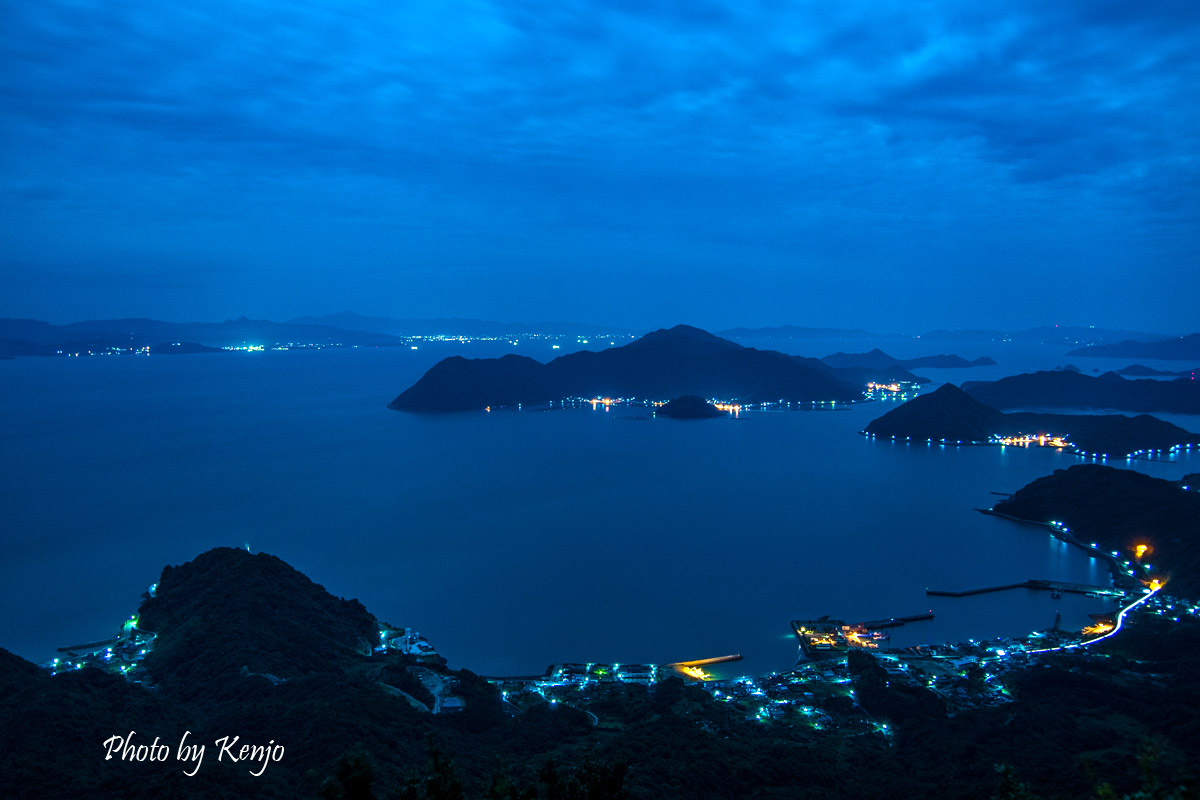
(1120, 622)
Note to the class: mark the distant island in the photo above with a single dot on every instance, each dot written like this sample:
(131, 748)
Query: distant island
(877, 359)
(798, 332)
(27, 337)
(180, 348)
(951, 415)
(456, 326)
(666, 363)
(1067, 389)
(1121, 510)
(689, 406)
(1141, 371)
(1183, 348)
(1047, 334)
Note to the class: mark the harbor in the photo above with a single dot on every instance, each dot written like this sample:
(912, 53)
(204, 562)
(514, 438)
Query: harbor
(824, 638)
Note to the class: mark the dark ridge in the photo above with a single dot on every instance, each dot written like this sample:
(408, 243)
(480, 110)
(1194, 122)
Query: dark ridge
(689, 406)
(666, 363)
(1063, 389)
(1119, 509)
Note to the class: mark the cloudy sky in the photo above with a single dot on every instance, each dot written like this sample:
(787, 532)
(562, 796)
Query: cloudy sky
(890, 165)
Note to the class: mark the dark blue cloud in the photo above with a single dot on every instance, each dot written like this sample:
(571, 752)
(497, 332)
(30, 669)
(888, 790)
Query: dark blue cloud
(500, 143)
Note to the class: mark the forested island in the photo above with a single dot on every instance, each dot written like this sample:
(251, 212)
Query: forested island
(950, 414)
(689, 406)
(1120, 509)
(660, 365)
(1068, 389)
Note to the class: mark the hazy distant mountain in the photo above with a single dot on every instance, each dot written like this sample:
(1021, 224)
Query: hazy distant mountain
(33, 337)
(877, 359)
(1182, 348)
(1140, 371)
(795, 332)
(861, 375)
(453, 326)
(950, 414)
(1064, 389)
(662, 364)
(1052, 334)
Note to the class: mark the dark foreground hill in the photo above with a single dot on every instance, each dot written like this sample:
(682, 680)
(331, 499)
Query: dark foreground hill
(348, 731)
(1066, 389)
(663, 364)
(950, 414)
(273, 620)
(1120, 509)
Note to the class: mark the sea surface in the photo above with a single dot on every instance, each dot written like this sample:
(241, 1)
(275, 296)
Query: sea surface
(512, 540)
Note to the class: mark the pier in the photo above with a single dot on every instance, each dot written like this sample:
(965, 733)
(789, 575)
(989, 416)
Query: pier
(1048, 586)
(892, 622)
(704, 662)
(695, 669)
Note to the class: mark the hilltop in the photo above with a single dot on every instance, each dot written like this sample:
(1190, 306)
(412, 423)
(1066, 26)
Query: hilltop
(273, 620)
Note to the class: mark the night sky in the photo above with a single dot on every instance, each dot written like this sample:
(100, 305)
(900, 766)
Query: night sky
(890, 165)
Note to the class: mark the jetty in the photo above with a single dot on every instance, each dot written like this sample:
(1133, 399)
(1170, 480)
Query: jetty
(704, 662)
(892, 622)
(1039, 585)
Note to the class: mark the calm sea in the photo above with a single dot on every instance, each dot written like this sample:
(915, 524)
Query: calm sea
(512, 540)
